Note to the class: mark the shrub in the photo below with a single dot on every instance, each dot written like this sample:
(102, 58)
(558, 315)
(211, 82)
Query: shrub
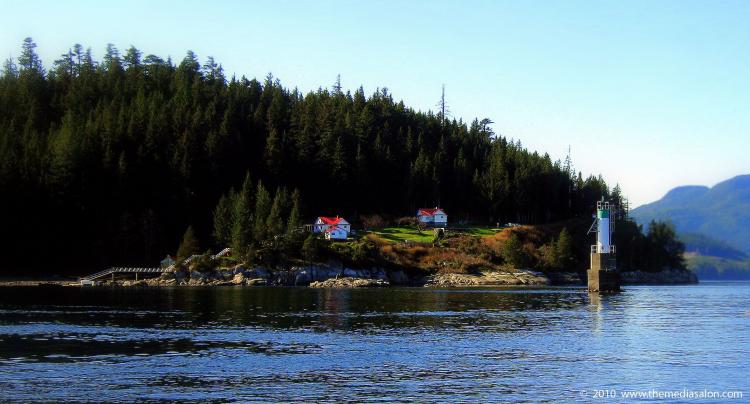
(438, 234)
(515, 253)
(311, 248)
(370, 221)
(203, 263)
(407, 221)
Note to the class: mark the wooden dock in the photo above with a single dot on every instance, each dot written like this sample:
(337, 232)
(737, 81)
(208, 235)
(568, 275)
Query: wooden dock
(91, 279)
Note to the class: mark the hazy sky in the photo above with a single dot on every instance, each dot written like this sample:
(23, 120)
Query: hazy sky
(651, 94)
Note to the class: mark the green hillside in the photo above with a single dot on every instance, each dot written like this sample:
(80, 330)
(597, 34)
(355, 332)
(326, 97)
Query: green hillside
(716, 268)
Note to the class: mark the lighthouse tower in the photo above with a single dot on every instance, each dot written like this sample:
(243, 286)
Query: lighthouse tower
(602, 273)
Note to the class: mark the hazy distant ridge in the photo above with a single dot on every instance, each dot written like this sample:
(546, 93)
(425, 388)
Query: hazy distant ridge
(721, 212)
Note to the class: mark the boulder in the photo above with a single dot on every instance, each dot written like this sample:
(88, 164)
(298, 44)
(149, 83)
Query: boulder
(239, 279)
(256, 282)
(140, 282)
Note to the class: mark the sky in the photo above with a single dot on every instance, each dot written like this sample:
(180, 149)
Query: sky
(650, 94)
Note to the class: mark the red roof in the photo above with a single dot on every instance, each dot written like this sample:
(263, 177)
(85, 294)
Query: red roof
(429, 212)
(331, 220)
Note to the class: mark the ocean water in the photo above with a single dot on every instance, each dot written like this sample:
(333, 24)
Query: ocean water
(396, 344)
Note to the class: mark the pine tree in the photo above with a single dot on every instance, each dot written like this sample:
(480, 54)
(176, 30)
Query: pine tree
(294, 215)
(262, 210)
(188, 246)
(274, 223)
(242, 228)
(272, 154)
(29, 60)
(224, 219)
(565, 251)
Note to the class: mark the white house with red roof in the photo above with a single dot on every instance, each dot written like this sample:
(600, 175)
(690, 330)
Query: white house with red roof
(432, 217)
(333, 227)
(336, 233)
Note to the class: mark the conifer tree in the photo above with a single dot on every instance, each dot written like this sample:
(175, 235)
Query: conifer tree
(188, 246)
(29, 60)
(224, 219)
(565, 251)
(262, 210)
(242, 228)
(274, 223)
(294, 215)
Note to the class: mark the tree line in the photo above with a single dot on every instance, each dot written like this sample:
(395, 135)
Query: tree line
(109, 161)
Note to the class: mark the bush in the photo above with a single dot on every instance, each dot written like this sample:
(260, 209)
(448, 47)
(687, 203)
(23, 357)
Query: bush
(407, 221)
(370, 221)
(514, 252)
(438, 234)
(311, 248)
(203, 263)
(364, 250)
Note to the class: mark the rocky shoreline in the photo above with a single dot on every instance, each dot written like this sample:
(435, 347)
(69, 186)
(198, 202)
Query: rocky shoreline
(335, 275)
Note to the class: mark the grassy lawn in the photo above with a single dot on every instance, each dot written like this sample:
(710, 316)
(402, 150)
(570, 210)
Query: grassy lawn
(480, 231)
(399, 234)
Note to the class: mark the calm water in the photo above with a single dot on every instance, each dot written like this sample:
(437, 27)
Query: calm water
(298, 344)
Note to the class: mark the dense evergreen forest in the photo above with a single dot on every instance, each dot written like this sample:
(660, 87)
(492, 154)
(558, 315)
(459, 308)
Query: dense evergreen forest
(108, 162)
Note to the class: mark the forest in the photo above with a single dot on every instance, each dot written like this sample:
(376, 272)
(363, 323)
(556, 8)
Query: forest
(109, 162)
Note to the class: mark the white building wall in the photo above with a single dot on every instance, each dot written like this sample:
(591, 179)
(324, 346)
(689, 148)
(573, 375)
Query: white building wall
(337, 234)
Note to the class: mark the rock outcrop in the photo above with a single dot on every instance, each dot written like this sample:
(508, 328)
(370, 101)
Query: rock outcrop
(349, 283)
(292, 276)
(519, 277)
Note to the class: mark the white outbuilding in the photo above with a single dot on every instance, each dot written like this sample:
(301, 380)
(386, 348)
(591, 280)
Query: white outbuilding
(323, 223)
(435, 217)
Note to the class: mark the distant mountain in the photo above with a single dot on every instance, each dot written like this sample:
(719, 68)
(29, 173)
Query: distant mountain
(701, 244)
(722, 213)
(715, 268)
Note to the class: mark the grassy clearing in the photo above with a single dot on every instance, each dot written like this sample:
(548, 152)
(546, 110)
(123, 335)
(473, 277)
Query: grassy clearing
(399, 234)
(480, 231)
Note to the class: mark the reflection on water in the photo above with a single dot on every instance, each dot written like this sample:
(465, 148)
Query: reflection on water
(373, 344)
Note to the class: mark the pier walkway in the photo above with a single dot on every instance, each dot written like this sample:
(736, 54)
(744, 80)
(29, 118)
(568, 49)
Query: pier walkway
(89, 280)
